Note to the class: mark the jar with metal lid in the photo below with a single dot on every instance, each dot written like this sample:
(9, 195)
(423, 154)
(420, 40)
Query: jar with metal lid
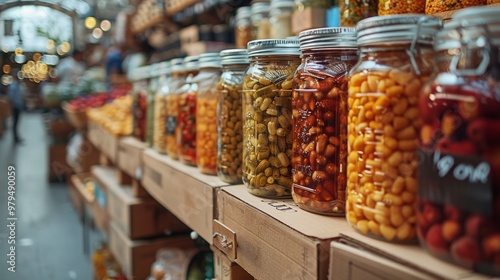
(261, 28)
(160, 107)
(206, 112)
(396, 7)
(150, 112)
(139, 105)
(352, 11)
(459, 172)
(178, 77)
(396, 59)
(281, 18)
(319, 123)
(267, 116)
(230, 126)
(186, 121)
(439, 6)
(243, 25)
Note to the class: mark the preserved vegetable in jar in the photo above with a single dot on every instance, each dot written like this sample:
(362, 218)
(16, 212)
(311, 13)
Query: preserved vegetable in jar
(140, 89)
(352, 11)
(206, 112)
(243, 27)
(489, 2)
(395, 7)
(319, 123)
(230, 125)
(281, 18)
(261, 28)
(186, 121)
(179, 75)
(267, 113)
(160, 108)
(459, 172)
(396, 59)
(150, 112)
(439, 6)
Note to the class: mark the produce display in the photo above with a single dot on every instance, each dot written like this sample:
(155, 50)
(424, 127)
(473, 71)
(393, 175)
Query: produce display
(96, 100)
(115, 116)
(395, 7)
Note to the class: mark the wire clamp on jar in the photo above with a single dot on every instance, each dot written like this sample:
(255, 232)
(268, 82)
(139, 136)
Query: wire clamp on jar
(482, 42)
(412, 52)
(223, 240)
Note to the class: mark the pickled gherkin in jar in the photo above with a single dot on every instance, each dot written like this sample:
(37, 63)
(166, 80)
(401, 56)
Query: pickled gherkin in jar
(267, 117)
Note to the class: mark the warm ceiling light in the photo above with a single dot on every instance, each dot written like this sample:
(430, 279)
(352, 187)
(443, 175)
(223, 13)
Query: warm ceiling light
(97, 33)
(105, 25)
(65, 47)
(37, 56)
(6, 68)
(18, 51)
(90, 22)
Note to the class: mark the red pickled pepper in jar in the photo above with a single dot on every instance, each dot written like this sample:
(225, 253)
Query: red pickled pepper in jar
(140, 102)
(319, 104)
(458, 209)
(186, 122)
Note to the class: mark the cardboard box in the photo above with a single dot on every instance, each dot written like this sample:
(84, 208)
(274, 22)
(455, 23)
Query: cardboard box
(106, 142)
(274, 239)
(137, 218)
(183, 190)
(136, 257)
(78, 119)
(59, 170)
(356, 256)
(130, 156)
(60, 128)
(77, 192)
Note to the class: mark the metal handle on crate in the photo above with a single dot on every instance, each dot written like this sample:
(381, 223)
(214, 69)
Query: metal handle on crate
(223, 241)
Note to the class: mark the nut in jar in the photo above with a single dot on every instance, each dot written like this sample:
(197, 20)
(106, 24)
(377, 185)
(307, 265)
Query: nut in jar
(383, 124)
(319, 123)
(267, 113)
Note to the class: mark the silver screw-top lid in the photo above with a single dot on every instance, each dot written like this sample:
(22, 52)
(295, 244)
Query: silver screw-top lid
(209, 60)
(191, 63)
(386, 30)
(275, 47)
(234, 56)
(276, 4)
(243, 12)
(259, 7)
(322, 38)
(480, 21)
(177, 65)
(164, 68)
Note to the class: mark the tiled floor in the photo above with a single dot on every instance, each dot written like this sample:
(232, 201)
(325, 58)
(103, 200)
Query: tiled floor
(49, 233)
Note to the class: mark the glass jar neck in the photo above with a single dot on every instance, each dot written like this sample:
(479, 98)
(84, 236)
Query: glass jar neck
(234, 67)
(330, 52)
(274, 58)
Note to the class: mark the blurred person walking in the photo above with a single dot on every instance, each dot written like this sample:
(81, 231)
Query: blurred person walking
(15, 92)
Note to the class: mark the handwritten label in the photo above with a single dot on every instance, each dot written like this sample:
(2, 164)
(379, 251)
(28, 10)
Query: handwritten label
(462, 181)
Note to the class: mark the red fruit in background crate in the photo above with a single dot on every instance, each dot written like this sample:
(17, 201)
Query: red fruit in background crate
(466, 251)
(435, 240)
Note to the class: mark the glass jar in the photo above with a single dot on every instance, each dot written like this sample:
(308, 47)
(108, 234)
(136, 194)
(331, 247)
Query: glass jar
(186, 122)
(489, 2)
(261, 28)
(179, 75)
(396, 7)
(459, 172)
(439, 6)
(230, 130)
(160, 108)
(267, 116)
(352, 11)
(396, 59)
(243, 27)
(281, 18)
(206, 113)
(139, 104)
(150, 107)
(319, 123)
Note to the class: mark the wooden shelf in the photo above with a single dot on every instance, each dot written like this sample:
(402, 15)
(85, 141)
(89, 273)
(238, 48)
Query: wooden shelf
(183, 190)
(275, 237)
(103, 140)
